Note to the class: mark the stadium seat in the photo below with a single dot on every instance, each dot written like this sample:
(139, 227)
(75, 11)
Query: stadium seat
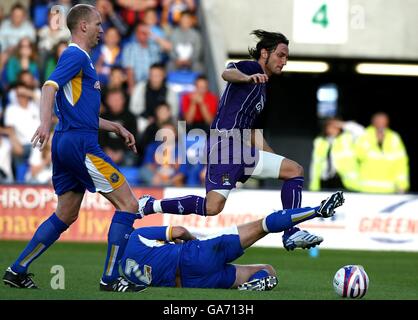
(40, 15)
(21, 172)
(131, 174)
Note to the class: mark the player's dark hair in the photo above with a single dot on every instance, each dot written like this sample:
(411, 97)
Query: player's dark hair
(268, 41)
(77, 13)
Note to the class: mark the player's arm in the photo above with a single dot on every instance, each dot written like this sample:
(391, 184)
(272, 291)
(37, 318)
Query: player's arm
(46, 108)
(236, 76)
(258, 141)
(166, 233)
(120, 131)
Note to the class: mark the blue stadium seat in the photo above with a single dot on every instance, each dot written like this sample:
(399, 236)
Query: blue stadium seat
(182, 77)
(21, 172)
(131, 174)
(40, 15)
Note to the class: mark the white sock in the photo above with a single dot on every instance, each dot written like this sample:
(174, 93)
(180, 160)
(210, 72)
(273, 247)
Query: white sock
(265, 226)
(156, 206)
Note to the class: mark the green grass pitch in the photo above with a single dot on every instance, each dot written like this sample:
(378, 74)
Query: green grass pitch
(393, 275)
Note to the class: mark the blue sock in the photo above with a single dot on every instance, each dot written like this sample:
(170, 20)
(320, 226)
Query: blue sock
(46, 234)
(285, 219)
(117, 238)
(263, 273)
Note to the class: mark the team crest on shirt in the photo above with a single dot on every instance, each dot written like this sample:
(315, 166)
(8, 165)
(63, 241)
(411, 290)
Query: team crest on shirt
(97, 85)
(114, 177)
(225, 179)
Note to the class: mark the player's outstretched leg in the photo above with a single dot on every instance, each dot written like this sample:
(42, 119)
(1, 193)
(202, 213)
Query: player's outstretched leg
(286, 219)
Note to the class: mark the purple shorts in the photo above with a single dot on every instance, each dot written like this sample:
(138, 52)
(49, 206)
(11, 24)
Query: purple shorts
(228, 163)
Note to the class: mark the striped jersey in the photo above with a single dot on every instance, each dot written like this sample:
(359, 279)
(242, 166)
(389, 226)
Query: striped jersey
(77, 101)
(241, 103)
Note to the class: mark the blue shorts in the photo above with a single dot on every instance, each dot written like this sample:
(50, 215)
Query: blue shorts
(79, 164)
(228, 164)
(206, 263)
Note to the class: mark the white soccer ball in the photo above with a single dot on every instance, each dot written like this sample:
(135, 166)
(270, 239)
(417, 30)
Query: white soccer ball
(351, 281)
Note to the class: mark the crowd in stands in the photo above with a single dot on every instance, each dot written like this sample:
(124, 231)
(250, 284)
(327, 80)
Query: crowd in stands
(144, 44)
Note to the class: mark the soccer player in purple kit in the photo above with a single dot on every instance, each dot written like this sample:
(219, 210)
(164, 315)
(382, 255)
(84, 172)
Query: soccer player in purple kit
(242, 101)
(73, 89)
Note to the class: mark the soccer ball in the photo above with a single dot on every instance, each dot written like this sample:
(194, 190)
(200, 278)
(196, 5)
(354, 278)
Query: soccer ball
(351, 281)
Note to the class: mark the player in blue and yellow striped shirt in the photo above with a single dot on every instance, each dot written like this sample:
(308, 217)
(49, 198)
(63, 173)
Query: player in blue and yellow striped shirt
(73, 90)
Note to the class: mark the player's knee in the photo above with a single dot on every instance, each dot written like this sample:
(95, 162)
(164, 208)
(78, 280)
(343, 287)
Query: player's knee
(213, 208)
(67, 217)
(130, 205)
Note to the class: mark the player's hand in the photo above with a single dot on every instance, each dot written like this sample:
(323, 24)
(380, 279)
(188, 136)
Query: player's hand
(258, 78)
(128, 137)
(42, 136)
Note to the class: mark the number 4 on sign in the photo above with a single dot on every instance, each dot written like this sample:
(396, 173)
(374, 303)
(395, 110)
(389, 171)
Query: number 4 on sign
(320, 17)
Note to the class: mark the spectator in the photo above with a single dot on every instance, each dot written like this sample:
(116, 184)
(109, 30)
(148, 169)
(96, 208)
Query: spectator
(110, 18)
(23, 59)
(30, 87)
(23, 117)
(199, 107)
(133, 11)
(52, 59)
(162, 166)
(151, 20)
(138, 56)
(108, 54)
(187, 45)
(9, 146)
(382, 158)
(163, 115)
(117, 80)
(15, 28)
(147, 95)
(115, 111)
(333, 163)
(172, 10)
(40, 166)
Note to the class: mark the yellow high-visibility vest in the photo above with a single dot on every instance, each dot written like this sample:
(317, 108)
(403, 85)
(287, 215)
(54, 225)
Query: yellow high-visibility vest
(344, 160)
(382, 170)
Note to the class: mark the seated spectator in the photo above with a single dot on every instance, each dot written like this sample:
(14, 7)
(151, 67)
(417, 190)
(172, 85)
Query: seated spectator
(24, 58)
(158, 34)
(111, 18)
(108, 54)
(40, 165)
(186, 53)
(27, 79)
(139, 56)
(163, 115)
(199, 107)
(52, 58)
(147, 95)
(382, 158)
(23, 117)
(132, 12)
(9, 147)
(117, 80)
(334, 164)
(15, 28)
(161, 164)
(115, 110)
(172, 10)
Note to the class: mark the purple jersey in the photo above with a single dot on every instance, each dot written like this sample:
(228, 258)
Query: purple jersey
(240, 103)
